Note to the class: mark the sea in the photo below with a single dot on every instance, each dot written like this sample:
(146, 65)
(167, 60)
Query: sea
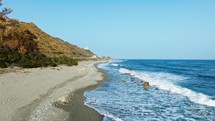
(180, 90)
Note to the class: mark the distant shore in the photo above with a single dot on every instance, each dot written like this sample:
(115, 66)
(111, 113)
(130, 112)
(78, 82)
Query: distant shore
(33, 94)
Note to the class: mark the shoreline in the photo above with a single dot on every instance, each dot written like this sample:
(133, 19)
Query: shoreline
(78, 111)
(32, 95)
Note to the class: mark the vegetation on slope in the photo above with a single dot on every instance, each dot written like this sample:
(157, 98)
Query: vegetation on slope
(25, 45)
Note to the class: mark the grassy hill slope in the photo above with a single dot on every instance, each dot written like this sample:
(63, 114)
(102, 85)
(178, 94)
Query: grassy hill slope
(22, 43)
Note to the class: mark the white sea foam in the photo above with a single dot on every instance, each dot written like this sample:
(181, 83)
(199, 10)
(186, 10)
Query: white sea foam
(119, 61)
(112, 117)
(123, 70)
(102, 65)
(126, 71)
(166, 81)
(115, 64)
(106, 114)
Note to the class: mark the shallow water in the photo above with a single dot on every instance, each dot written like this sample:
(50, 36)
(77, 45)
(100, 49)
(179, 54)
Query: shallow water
(179, 90)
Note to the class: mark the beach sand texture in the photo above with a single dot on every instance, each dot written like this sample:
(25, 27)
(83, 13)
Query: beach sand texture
(32, 93)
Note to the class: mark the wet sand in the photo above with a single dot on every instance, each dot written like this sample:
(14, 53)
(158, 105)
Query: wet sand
(76, 108)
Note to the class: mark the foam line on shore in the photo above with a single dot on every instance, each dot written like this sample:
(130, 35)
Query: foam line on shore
(166, 81)
(106, 114)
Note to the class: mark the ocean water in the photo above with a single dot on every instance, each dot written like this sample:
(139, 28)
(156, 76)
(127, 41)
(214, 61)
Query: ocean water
(180, 90)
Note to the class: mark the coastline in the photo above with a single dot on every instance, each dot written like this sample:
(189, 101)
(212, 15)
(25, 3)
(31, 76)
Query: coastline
(78, 111)
(31, 95)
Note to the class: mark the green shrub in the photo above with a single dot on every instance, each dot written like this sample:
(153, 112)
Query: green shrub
(3, 65)
(28, 64)
(53, 65)
(64, 60)
(9, 56)
(71, 62)
(31, 59)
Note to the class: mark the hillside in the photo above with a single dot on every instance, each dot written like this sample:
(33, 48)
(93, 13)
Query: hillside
(24, 44)
(16, 35)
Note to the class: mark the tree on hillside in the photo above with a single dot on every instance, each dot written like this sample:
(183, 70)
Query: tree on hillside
(4, 12)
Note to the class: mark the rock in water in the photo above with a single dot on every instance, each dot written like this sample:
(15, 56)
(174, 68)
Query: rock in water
(123, 81)
(64, 99)
(146, 85)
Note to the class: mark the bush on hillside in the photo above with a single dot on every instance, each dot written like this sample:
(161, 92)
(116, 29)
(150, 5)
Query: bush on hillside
(9, 56)
(18, 48)
(3, 65)
(31, 59)
(65, 60)
(72, 62)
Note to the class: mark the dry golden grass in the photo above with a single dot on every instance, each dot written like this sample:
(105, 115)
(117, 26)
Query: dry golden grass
(13, 70)
(15, 34)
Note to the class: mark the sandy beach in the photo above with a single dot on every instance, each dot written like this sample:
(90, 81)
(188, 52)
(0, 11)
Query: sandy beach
(32, 94)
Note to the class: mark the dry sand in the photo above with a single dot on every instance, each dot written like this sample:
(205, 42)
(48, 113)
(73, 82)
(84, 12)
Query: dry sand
(31, 94)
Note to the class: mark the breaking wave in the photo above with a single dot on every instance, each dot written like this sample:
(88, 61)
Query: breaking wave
(168, 82)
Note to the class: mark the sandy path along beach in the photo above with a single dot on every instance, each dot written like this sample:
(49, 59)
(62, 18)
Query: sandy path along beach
(29, 95)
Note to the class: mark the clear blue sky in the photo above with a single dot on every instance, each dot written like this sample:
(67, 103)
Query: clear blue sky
(147, 29)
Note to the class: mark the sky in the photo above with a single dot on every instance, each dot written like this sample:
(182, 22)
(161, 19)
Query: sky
(127, 29)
